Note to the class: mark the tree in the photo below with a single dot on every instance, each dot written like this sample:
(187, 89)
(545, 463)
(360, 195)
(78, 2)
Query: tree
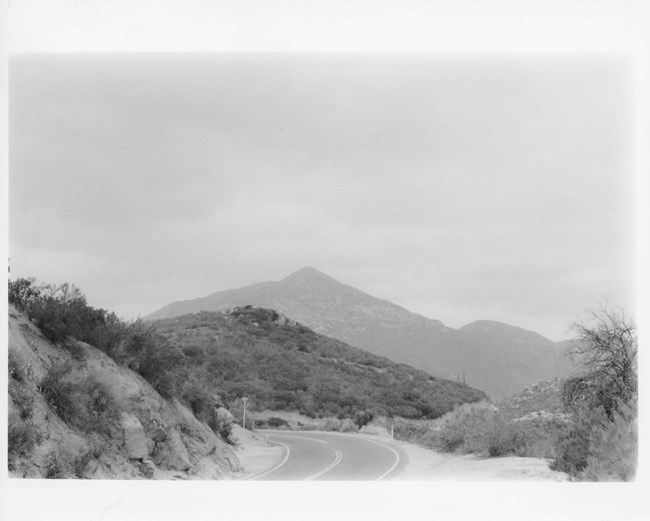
(607, 351)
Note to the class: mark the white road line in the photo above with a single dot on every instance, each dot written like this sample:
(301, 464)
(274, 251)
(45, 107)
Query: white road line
(286, 457)
(336, 461)
(300, 438)
(390, 449)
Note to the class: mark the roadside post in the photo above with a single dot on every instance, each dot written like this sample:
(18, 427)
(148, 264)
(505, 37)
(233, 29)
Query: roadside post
(244, 399)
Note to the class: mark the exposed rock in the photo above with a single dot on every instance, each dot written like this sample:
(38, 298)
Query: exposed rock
(135, 441)
(172, 453)
(148, 468)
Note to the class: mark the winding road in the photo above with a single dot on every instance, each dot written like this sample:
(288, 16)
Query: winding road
(310, 455)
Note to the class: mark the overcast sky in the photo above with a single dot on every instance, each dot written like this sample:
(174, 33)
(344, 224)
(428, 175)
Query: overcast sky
(461, 188)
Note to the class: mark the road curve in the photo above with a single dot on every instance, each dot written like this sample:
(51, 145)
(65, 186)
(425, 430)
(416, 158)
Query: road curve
(312, 455)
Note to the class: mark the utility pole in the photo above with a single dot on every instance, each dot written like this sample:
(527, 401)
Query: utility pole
(244, 399)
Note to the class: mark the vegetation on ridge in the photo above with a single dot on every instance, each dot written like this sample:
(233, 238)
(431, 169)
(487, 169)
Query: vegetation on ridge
(281, 365)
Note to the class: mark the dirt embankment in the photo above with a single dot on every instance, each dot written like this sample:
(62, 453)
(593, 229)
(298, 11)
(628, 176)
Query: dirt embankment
(73, 412)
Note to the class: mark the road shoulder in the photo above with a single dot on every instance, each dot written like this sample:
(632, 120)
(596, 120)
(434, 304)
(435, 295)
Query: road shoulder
(256, 454)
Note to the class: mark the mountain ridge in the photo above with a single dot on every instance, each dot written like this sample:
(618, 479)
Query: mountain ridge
(497, 358)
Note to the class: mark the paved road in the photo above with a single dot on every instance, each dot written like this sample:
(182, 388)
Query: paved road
(311, 455)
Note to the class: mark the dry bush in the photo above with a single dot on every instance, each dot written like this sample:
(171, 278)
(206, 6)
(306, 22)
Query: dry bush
(613, 449)
(21, 437)
(597, 448)
(86, 405)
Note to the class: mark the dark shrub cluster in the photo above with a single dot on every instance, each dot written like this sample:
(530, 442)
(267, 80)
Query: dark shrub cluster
(62, 311)
(85, 405)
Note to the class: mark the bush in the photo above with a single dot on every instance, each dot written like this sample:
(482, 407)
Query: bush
(151, 356)
(85, 405)
(607, 351)
(15, 366)
(54, 468)
(362, 418)
(595, 448)
(274, 422)
(503, 437)
(613, 448)
(60, 395)
(23, 292)
(21, 436)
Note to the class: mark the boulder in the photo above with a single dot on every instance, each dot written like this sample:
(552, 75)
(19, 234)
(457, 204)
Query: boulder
(148, 468)
(172, 453)
(135, 441)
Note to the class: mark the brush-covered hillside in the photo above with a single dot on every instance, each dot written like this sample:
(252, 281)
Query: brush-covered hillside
(278, 364)
(101, 411)
(494, 357)
(76, 413)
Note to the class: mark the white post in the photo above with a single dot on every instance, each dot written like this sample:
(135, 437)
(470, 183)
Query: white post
(391, 431)
(244, 419)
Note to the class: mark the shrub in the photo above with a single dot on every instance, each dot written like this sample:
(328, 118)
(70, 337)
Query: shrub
(596, 448)
(86, 405)
(348, 425)
(274, 422)
(21, 436)
(151, 356)
(503, 437)
(572, 445)
(59, 393)
(479, 429)
(221, 421)
(54, 467)
(23, 292)
(15, 366)
(613, 448)
(362, 418)
(607, 351)
(81, 462)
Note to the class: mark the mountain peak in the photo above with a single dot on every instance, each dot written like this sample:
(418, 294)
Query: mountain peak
(308, 274)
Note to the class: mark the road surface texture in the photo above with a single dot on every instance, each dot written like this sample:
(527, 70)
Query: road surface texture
(310, 455)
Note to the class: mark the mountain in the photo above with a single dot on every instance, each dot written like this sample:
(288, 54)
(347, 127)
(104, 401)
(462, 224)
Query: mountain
(494, 357)
(282, 365)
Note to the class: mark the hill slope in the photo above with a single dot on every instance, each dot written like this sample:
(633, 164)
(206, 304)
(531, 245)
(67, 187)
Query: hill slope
(496, 358)
(74, 412)
(281, 365)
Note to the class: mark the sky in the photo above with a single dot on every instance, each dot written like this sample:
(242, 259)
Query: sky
(460, 187)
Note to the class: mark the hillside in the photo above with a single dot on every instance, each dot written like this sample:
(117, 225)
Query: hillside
(281, 365)
(544, 399)
(494, 357)
(75, 413)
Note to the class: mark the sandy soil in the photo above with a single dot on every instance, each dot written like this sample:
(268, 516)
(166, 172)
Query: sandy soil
(425, 464)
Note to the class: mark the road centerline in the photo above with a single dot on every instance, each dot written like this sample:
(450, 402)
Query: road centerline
(336, 461)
